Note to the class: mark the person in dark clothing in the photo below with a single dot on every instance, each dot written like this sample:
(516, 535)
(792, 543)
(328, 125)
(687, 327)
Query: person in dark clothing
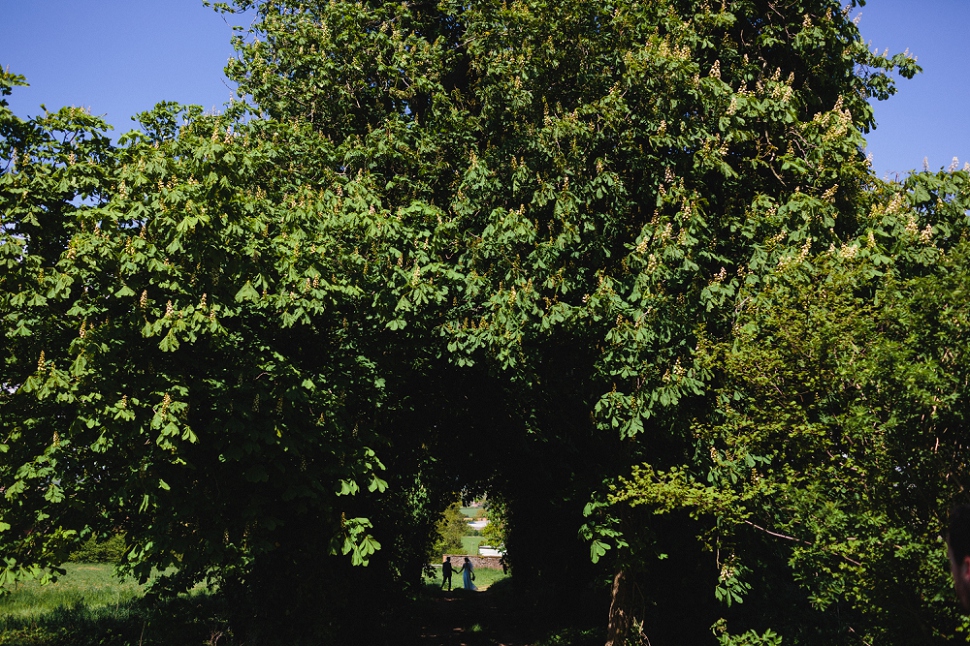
(446, 572)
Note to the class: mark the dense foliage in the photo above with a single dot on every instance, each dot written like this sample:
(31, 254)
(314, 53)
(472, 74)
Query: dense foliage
(621, 264)
(825, 473)
(451, 528)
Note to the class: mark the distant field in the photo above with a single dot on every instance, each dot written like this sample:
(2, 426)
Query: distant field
(472, 512)
(470, 543)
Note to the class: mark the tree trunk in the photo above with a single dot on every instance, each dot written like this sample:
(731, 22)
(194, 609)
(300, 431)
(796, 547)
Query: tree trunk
(621, 609)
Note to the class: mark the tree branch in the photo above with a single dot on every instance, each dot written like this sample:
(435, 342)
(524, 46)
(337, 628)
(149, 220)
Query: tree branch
(797, 540)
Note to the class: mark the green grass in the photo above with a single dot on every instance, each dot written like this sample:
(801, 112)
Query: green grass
(472, 512)
(470, 544)
(91, 584)
(484, 577)
(90, 605)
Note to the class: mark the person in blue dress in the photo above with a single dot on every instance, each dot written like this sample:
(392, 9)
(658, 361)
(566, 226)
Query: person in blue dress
(468, 574)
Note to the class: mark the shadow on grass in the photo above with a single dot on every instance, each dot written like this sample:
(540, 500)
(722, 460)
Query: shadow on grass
(499, 615)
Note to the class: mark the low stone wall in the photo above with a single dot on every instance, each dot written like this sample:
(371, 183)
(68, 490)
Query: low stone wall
(493, 562)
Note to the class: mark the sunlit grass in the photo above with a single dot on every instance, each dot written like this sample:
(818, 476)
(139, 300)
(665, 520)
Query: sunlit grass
(470, 544)
(94, 585)
(484, 577)
(91, 605)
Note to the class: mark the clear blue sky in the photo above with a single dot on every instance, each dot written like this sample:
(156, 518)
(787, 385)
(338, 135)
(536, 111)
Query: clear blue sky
(930, 115)
(119, 57)
(115, 57)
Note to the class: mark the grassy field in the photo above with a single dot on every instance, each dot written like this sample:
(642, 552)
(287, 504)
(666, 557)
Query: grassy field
(92, 584)
(90, 605)
(470, 544)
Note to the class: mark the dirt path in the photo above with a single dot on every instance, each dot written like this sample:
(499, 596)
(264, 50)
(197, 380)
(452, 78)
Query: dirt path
(462, 618)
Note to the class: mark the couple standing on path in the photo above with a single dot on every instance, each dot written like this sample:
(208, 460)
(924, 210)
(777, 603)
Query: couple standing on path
(467, 571)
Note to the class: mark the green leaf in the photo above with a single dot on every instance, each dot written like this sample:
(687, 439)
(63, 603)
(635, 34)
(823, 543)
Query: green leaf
(169, 343)
(376, 484)
(597, 549)
(247, 293)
